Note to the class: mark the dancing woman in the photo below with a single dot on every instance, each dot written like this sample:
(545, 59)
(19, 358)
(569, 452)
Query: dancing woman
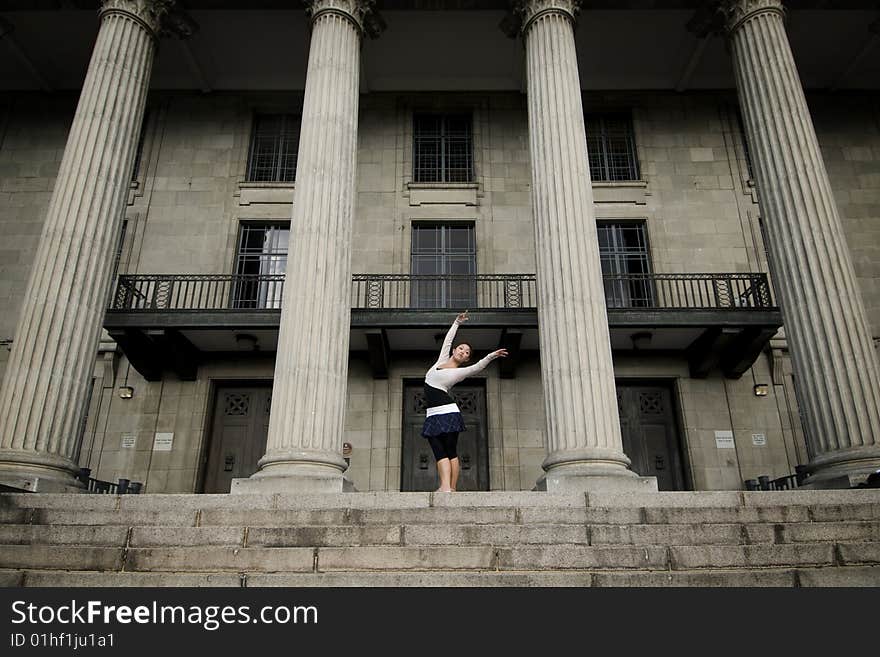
(443, 422)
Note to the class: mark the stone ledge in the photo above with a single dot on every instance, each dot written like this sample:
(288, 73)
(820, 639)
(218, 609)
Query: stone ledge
(443, 193)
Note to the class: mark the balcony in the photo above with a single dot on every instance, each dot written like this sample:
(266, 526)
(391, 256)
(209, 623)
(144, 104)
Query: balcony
(174, 321)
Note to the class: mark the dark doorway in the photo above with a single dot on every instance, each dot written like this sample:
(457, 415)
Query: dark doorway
(239, 428)
(418, 469)
(649, 429)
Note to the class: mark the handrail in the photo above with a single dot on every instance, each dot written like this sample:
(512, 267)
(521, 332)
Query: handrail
(255, 292)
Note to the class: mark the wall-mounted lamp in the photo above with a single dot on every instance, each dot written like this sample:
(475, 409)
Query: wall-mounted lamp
(761, 390)
(126, 392)
(246, 342)
(641, 340)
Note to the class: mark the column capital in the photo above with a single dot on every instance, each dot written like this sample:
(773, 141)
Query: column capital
(149, 13)
(526, 12)
(362, 13)
(737, 12)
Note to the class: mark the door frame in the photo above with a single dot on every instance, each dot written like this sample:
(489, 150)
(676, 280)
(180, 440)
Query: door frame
(214, 386)
(671, 384)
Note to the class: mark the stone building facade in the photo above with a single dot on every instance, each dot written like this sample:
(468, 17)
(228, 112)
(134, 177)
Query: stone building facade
(635, 245)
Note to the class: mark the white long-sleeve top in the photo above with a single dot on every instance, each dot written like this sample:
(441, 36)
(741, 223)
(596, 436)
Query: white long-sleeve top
(445, 378)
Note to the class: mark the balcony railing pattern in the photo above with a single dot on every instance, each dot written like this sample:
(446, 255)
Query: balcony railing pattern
(192, 292)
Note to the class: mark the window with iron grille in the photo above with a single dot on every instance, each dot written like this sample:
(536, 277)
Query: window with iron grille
(262, 252)
(274, 145)
(611, 146)
(443, 148)
(441, 250)
(623, 252)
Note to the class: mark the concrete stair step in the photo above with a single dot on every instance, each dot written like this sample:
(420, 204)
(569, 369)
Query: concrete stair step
(443, 515)
(439, 534)
(835, 576)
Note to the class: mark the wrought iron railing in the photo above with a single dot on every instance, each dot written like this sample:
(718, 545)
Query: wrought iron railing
(198, 292)
(696, 291)
(461, 291)
(191, 292)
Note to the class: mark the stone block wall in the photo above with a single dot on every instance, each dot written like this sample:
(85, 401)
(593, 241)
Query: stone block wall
(190, 195)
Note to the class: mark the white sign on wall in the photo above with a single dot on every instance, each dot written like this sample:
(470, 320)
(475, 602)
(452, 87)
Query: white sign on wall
(128, 441)
(162, 442)
(759, 439)
(724, 440)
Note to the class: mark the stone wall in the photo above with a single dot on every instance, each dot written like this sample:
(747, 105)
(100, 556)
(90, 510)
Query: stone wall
(189, 197)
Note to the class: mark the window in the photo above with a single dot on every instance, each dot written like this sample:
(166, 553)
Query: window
(274, 145)
(117, 260)
(611, 146)
(260, 265)
(745, 144)
(139, 153)
(623, 252)
(444, 252)
(443, 148)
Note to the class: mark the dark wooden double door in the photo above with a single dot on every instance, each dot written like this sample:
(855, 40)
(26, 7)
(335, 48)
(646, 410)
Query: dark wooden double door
(240, 427)
(650, 433)
(419, 470)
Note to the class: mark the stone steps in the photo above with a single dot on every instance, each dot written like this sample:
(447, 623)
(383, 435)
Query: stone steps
(829, 538)
(436, 534)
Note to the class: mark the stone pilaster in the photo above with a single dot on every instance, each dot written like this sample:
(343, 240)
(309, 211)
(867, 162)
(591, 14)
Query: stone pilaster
(584, 448)
(304, 447)
(56, 340)
(829, 339)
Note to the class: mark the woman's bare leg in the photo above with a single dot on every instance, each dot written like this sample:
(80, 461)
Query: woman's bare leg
(454, 468)
(445, 472)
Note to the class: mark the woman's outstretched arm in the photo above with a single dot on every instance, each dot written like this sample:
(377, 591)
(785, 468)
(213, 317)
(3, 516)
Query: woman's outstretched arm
(462, 373)
(450, 336)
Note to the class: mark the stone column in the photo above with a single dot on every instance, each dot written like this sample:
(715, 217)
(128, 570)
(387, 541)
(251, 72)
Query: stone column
(828, 335)
(584, 448)
(304, 447)
(56, 341)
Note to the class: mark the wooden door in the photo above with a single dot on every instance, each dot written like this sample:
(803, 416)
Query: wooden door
(238, 435)
(418, 468)
(650, 434)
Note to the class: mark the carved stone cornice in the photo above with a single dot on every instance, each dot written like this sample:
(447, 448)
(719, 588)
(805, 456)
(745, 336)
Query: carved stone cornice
(737, 12)
(179, 23)
(526, 12)
(362, 13)
(149, 13)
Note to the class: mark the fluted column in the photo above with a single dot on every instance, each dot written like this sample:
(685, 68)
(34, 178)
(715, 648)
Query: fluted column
(56, 340)
(584, 448)
(304, 447)
(825, 322)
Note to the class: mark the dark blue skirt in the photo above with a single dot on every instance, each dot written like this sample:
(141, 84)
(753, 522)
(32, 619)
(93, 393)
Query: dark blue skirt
(445, 423)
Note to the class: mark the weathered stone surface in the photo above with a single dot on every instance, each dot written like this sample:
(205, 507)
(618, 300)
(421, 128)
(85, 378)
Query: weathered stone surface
(581, 557)
(51, 556)
(749, 556)
(63, 535)
(328, 536)
(406, 558)
(710, 578)
(158, 536)
(847, 576)
(220, 559)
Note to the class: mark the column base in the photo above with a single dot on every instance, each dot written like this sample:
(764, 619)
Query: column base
(32, 472)
(567, 482)
(297, 471)
(596, 469)
(844, 469)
